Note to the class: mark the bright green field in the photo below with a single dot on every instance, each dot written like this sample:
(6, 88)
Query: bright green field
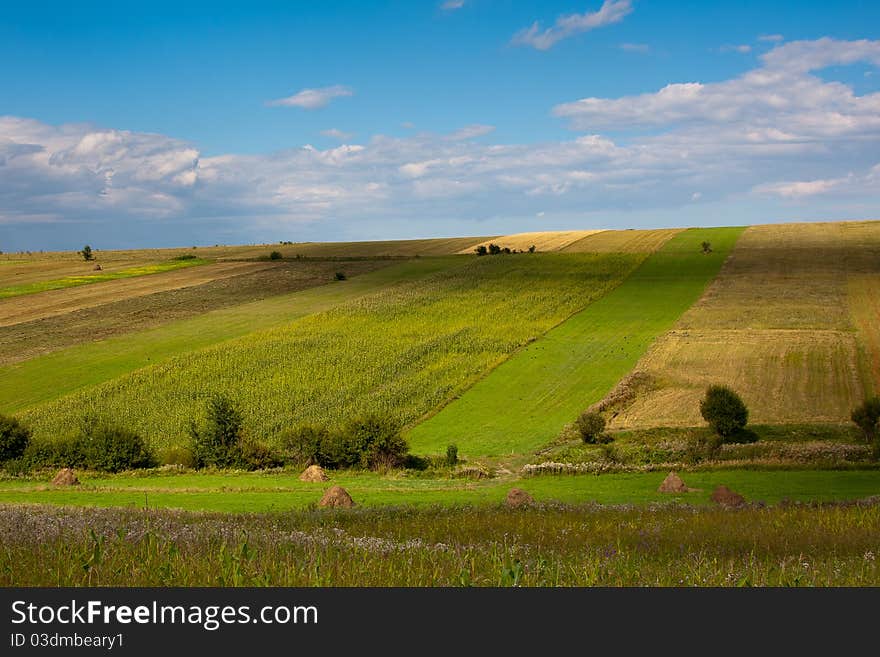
(528, 399)
(402, 351)
(256, 492)
(52, 376)
(75, 281)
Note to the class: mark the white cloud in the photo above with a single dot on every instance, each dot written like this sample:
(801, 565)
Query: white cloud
(779, 101)
(773, 38)
(774, 135)
(471, 131)
(611, 11)
(336, 133)
(452, 5)
(312, 98)
(742, 49)
(642, 48)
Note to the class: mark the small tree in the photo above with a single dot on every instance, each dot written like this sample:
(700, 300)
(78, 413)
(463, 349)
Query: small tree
(216, 443)
(340, 276)
(451, 455)
(275, 255)
(481, 250)
(14, 438)
(707, 247)
(86, 253)
(724, 410)
(375, 442)
(867, 417)
(590, 427)
(532, 248)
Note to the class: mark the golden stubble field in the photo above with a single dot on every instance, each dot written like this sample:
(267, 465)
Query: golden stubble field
(791, 323)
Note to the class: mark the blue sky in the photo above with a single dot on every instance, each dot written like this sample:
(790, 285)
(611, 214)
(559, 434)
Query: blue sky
(166, 123)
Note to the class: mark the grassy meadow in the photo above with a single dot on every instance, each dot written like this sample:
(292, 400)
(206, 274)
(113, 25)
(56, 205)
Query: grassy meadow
(258, 492)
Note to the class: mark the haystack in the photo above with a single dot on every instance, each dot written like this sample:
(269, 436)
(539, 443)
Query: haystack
(314, 473)
(673, 484)
(517, 497)
(725, 497)
(337, 496)
(65, 477)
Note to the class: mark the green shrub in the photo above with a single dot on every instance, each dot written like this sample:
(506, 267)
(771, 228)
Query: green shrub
(451, 455)
(113, 449)
(256, 455)
(340, 276)
(275, 255)
(724, 410)
(217, 441)
(63, 452)
(178, 456)
(867, 416)
(14, 438)
(186, 256)
(303, 445)
(481, 250)
(375, 442)
(590, 427)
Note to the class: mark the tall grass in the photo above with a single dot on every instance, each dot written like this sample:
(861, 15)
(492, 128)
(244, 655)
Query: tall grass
(400, 352)
(460, 546)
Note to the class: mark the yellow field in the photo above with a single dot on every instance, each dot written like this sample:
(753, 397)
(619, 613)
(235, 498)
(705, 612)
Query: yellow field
(29, 307)
(622, 241)
(778, 326)
(542, 241)
(864, 298)
(401, 248)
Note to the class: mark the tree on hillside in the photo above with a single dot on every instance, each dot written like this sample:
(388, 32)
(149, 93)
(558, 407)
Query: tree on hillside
(481, 250)
(707, 247)
(215, 443)
(725, 411)
(867, 417)
(86, 253)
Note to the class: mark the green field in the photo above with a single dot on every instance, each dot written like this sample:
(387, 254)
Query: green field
(49, 377)
(89, 279)
(401, 352)
(262, 492)
(528, 399)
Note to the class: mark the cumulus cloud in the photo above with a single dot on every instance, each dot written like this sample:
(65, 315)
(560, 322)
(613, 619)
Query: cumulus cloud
(312, 99)
(336, 133)
(779, 101)
(611, 11)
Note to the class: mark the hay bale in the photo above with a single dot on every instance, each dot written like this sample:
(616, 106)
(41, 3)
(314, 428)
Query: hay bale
(337, 496)
(673, 484)
(314, 473)
(65, 477)
(517, 497)
(725, 497)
